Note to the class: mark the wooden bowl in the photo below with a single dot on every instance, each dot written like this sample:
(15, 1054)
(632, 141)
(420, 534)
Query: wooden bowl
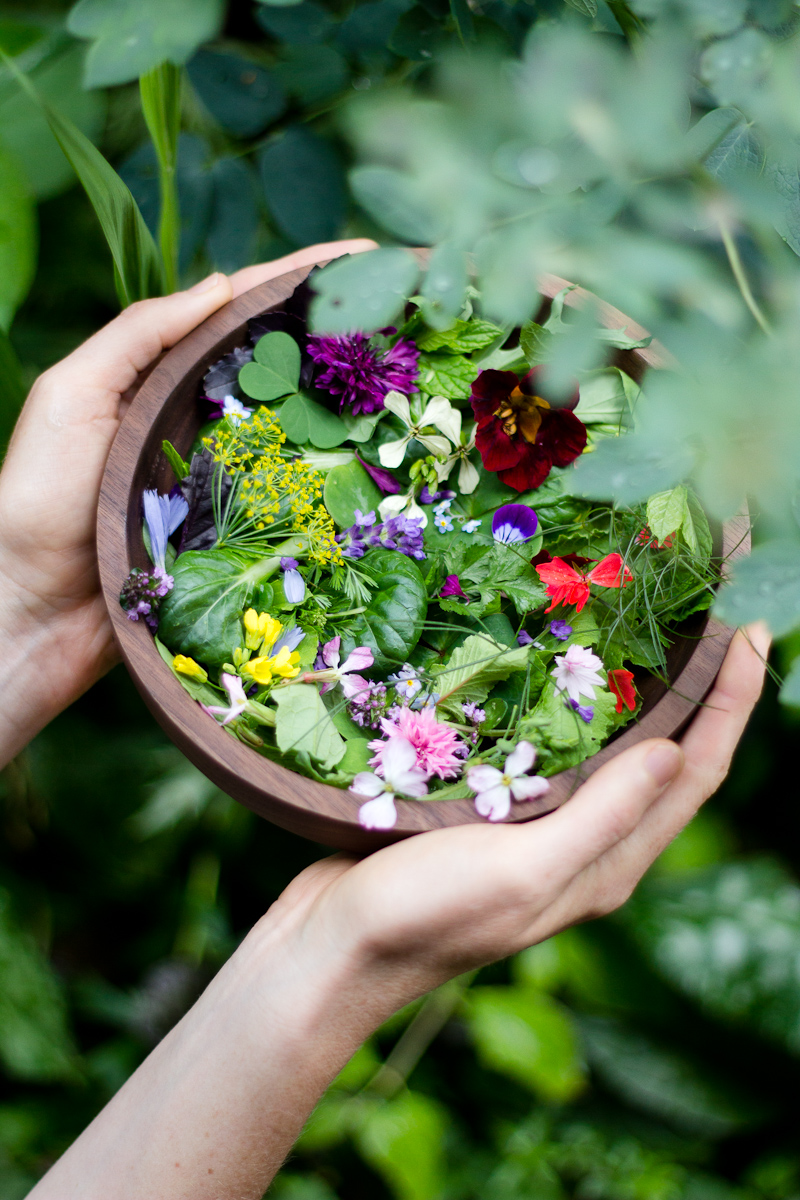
(166, 407)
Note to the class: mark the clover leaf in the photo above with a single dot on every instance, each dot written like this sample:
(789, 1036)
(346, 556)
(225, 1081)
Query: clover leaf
(275, 371)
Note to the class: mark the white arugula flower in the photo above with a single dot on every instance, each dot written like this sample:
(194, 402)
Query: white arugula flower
(467, 474)
(438, 412)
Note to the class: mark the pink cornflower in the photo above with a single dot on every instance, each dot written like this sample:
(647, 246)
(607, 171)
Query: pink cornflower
(438, 747)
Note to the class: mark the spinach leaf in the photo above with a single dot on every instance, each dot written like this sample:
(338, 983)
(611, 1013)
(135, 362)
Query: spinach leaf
(200, 617)
(392, 621)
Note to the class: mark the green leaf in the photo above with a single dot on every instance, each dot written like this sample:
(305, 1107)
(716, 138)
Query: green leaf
(348, 488)
(201, 616)
(232, 238)
(24, 129)
(202, 692)
(587, 8)
(556, 727)
(736, 155)
(35, 1043)
(12, 388)
(535, 341)
(303, 23)
(666, 511)
(444, 286)
(160, 95)
(473, 668)
(790, 689)
(363, 291)
(695, 529)
(18, 237)
(303, 420)
(178, 464)
(528, 1037)
(733, 67)
(304, 186)
(417, 35)
(239, 93)
(393, 619)
(130, 39)
(607, 398)
(392, 199)
(304, 724)
(136, 260)
(448, 375)
(402, 1139)
(461, 337)
(765, 586)
(312, 73)
(275, 371)
(626, 469)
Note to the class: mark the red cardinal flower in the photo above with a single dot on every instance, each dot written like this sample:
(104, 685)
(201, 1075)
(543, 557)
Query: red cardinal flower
(520, 434)
(620, 682)
(568, 586)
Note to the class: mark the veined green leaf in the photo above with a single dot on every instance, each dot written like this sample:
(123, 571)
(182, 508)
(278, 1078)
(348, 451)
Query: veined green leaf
(137, 267)
(473, 667)
(304, 724)
(160, 92)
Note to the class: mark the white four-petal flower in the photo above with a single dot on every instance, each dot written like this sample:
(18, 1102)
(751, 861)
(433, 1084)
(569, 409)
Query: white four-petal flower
(468, 477)
(495, 789)
(438, 412)
(401, 774)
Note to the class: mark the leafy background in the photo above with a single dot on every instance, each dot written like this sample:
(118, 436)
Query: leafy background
(652, 1055)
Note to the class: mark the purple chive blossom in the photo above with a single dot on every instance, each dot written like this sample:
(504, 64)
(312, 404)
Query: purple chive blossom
(426, 496)
(524, 638)
(560, 630)
(584, 711)
(514, 523)
(142, 592)
(361, 371)
(384, 479)
(162, 515)
(294, 587)
(452, 587)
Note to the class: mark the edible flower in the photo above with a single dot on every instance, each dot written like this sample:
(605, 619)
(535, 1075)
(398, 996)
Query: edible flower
(361, 370)
(576, 673)
(438, 412)
(163, 514)
(514, 523)
(468, 477)
(284, 663)
(187, 666)
(238, 701)
(520, 434)
(384, 479)
(233, 409)
(278, 654)
(401, 773)
(560, 630)
(567, 586)
(406, 682)
(620, 682)
(495, 789)
(259, 629)
(437, 745)
(294, 586)
(452, 587)
(329, 673)
(471, 526)
(584, 711)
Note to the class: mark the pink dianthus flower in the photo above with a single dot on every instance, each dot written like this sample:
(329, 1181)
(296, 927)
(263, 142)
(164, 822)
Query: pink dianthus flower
(438, 747)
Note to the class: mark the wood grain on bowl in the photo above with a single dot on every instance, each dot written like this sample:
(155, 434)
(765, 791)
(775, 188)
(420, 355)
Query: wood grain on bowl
(166, 407)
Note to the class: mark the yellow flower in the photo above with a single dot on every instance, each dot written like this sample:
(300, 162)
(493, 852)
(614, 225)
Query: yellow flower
(260, 629)
(284, 663)
(187, 666)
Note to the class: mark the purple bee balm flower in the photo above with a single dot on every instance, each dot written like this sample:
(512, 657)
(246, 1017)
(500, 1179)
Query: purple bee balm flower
(524, 639)
(560, 630)
(452, 587)
(361, 371)
(514, 523)
(384, 479)
(426, 496)
(584, 711)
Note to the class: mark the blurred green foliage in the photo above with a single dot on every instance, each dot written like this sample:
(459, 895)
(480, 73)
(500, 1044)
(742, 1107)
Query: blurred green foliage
(648, 1056)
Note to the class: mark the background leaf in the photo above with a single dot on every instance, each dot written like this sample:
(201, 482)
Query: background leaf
(304, 186)
(18, 238)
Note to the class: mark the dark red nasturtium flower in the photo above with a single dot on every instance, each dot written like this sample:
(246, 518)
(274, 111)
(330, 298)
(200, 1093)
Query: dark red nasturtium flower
(521, 435)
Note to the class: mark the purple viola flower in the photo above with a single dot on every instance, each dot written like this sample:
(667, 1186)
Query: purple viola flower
(524, 638)
(560, 630)
(452, 587)
(384, 479)
(361, 371)
(162, 514)
(426, 496)
(294, 586)
(584, 711)
(514, 523)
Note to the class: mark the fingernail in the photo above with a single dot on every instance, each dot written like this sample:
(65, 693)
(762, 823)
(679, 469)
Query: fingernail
(664, 762)
(205, 285)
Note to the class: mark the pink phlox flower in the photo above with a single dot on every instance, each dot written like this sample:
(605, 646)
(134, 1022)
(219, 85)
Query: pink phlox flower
(402, 774)
(495, 789)
(238, 701)
(437, 745)
(577, 672)
(359, 659)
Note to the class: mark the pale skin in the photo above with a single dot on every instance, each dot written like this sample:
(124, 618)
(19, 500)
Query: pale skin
(213, 1111)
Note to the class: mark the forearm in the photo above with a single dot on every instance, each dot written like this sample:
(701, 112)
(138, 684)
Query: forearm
(216, 1107)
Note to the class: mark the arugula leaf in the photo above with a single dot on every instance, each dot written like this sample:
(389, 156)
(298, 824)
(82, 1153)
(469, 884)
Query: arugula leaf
(562, 737)
(472, 669)
(304, 724)
(448, 375)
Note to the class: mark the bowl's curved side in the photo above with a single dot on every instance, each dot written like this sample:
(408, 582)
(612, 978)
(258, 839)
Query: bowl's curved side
(165, 406)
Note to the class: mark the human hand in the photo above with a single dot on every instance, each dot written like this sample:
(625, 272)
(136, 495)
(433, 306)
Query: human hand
(55, 633)
(423, 910)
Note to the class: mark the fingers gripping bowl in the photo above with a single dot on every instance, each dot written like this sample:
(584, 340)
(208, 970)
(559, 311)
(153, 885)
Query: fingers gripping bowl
(169, 407)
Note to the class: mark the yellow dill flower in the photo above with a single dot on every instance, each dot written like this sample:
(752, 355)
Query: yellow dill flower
(187, 666)
(284, 664)
(260, 629)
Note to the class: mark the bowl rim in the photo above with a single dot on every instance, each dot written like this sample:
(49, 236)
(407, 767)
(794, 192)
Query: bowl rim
(321, 811)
